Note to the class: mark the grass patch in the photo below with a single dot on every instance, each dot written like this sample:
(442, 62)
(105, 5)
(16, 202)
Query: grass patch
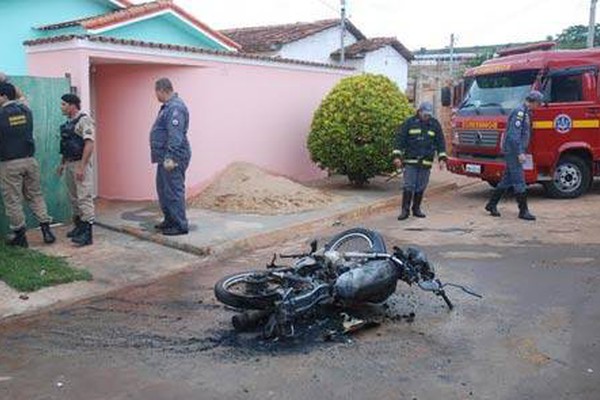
(29, 270)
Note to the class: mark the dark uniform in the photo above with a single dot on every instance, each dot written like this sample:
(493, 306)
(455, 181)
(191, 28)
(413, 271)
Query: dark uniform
(20, 172)
(168, 140)
(516, 141)
(417, 142)
(514, 144)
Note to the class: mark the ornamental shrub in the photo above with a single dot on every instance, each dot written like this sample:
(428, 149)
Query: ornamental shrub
(353, 129)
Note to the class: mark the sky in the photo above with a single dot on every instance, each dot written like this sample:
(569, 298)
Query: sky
(416, 23)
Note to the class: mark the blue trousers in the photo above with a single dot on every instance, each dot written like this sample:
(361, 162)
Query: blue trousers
(514, 176)
(170, 187)
(416, 178)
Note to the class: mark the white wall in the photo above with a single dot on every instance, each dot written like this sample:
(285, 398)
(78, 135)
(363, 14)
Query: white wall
(388, 62)
(317, 47)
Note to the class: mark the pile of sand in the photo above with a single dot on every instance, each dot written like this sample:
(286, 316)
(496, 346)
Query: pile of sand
(245, 188)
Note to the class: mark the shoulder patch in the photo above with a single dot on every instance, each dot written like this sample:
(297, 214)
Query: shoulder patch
(518, 124)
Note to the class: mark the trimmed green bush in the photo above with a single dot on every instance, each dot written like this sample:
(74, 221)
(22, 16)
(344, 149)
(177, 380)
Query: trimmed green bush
(353, 129)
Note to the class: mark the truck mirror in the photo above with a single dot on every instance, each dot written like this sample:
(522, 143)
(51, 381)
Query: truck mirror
(446, 95)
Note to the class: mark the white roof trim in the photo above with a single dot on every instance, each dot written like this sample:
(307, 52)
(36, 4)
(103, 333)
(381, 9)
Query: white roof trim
(126, 50)
(157, 14)
(118, 3)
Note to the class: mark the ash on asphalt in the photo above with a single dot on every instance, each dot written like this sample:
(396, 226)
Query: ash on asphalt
(189, 327)
(320, 328)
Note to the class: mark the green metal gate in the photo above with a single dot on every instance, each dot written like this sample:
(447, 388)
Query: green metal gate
(43, 97)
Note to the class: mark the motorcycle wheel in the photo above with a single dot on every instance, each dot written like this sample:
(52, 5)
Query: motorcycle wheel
(236, 290)
(358, 240)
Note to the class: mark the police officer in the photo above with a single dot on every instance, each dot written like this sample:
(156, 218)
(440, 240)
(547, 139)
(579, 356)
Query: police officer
(19, 96)
(417, 142)
(19, 171)
(77, 137)
(514, 147)
(170, 151)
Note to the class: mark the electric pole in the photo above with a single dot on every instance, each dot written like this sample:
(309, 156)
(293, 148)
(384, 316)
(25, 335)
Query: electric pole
(452, 56)
(592, 27)
(343, 28)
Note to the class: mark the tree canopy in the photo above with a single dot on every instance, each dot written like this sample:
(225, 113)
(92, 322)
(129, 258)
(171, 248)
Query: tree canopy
(575, 37)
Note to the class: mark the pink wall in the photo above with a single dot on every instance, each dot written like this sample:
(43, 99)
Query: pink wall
(255, 113)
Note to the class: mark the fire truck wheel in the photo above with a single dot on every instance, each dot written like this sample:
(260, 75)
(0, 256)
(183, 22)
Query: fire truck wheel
(571, 178)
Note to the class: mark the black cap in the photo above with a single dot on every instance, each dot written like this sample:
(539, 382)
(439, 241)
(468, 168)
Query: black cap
(8, 90)
(72, 99)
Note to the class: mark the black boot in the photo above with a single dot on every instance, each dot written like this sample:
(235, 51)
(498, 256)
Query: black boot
(406, 200)
(523, 209)
(85, 236)
(19, 239)
(492, 204)
(162, 225)
(47, 234)
(416, 208)
(77, 227)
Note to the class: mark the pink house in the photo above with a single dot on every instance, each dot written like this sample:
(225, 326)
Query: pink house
(243, 107)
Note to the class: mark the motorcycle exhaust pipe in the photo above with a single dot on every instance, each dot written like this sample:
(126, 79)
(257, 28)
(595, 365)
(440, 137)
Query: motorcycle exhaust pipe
(250, 320)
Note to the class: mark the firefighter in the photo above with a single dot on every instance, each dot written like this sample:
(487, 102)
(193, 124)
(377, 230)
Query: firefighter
(77, 137)
(514, 146)
(19, 171)
(170, 151)
(417, 142)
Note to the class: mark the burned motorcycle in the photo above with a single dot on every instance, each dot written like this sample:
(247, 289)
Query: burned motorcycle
(353, 267)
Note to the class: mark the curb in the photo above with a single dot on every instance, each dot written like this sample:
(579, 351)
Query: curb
(262, 240)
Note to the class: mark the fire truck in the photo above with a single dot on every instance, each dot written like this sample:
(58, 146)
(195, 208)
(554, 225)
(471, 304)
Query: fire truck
(564, 152)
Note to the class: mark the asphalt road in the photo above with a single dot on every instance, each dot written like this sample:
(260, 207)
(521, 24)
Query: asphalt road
(534, 335)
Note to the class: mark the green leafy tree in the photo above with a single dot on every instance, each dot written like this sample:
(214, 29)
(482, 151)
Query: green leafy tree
(353, 129)
(575, 37)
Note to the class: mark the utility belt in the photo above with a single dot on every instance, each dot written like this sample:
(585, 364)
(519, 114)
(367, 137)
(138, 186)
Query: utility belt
(422, 161)
(14, 158)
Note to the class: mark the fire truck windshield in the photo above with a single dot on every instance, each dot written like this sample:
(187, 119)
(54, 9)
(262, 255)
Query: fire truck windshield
(498, 93)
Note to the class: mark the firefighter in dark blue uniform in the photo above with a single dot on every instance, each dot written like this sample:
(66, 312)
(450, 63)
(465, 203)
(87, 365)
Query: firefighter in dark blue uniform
(170, 150)
(417, 142)
(514, 146)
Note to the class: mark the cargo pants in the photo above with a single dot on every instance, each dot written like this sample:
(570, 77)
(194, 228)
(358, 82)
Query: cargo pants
(81, 193)
(20, 179)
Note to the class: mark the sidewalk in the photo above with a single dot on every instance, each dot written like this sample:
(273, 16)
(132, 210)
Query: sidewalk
(225, 234)
(119, 258)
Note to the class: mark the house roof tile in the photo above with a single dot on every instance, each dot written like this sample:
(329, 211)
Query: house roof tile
(137, 11)
(360, 48)
(262, 39)
(178, 48)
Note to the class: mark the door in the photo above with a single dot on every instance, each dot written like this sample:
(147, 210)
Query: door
(572, 113)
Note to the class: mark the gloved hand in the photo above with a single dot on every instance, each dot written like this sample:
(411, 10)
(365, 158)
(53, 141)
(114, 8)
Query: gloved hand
(169, 164)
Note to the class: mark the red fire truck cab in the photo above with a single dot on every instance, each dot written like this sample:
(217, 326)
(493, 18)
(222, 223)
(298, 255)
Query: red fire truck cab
(564, 152)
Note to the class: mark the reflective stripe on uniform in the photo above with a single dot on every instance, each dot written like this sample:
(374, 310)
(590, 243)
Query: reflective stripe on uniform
(17, 120)
(443, 154)
(414, 131)
(431, 133)
(426, 162)
(411, 161)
